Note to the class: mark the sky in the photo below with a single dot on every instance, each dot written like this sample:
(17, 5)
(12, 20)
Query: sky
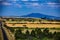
(24, 7)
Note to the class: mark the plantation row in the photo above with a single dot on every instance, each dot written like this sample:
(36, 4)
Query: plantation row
(35, 34)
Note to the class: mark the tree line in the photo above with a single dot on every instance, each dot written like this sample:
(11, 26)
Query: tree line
(37, 34)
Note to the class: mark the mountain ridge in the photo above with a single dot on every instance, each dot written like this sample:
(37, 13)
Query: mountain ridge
(39, 15)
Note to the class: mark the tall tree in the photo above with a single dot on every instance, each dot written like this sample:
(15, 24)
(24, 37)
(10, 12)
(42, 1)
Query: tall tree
(33, 33)
(27, 33)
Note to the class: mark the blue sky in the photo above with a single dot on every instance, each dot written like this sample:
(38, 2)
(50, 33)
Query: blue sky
(24, 7)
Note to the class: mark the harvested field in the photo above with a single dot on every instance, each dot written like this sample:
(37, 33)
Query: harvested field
(34, 25)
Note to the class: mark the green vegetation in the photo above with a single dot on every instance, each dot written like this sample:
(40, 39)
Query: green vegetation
(34, 33)
(24, 33)
(37, 34)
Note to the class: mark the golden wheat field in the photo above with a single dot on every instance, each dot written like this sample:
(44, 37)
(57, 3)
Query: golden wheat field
(35, 25)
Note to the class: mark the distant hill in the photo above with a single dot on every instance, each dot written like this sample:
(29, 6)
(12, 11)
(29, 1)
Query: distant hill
(39, 15)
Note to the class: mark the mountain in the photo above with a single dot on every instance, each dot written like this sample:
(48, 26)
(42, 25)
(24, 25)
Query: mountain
(39, 15)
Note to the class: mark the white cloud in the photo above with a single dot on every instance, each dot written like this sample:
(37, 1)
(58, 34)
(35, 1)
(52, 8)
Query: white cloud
(51, 4)
(24, 0)
(18, 5)
(31, 5)
(35, 4)
(14, 1)
(6, 3)
(34, 0)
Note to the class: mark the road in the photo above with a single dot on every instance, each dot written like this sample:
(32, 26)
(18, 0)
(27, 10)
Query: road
(4, 34)
(1, 35)
(7, 35)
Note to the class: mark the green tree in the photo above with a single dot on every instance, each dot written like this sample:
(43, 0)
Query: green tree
(18, 34)
(27, 33)
(45, 32)
(50, 35)
(33, 33)
(38, 31)
(57, 36)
